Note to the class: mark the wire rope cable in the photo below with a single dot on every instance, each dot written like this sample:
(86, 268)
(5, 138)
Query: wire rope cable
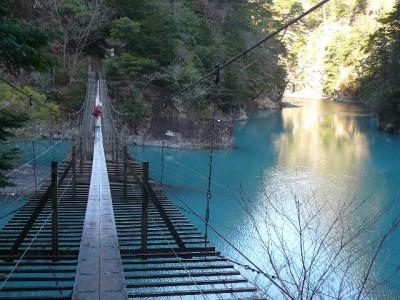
(218, 68)
(179, 259)
(10, 273)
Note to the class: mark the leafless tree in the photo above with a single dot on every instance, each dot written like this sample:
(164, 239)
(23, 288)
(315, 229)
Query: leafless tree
(316, 248)
(77, 21)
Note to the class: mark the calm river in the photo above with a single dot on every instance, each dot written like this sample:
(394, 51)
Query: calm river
(321, 155)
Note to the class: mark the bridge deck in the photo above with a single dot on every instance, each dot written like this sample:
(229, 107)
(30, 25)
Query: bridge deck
(166, 270)
(40, 274)
(99, 273)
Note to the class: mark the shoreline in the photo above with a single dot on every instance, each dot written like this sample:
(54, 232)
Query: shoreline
(192, 137)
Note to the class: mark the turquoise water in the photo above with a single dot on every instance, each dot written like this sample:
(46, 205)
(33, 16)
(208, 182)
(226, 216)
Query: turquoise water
(320, 155)
(316, 158)
(39, 153)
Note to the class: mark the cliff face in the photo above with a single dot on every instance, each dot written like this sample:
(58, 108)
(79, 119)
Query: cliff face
(181, 132)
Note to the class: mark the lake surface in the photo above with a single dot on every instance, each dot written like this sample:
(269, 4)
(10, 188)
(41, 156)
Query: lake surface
(315, 158)
(319, 155)
(34, 160)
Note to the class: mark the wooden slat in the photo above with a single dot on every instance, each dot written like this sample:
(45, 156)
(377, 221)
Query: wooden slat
(192, 292)
(158, 284)
(164, 270)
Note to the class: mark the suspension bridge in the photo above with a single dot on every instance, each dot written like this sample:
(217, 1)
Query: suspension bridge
(101, 228)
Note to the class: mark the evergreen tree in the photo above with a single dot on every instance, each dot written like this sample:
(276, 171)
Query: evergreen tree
(22, 47)
(381, 70)
(165, 45)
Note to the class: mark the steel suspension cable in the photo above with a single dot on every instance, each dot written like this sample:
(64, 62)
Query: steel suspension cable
(9, 274)
(248, 267)
(41, 154)
(34, 163)
(219, 68)
(210, 165)
(179, 259)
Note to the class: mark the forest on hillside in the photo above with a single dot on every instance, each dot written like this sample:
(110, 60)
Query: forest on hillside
(153, 48)
(348, 51)
(159, 46)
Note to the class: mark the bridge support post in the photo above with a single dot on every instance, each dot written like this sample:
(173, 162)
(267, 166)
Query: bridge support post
(125, 171)
(116, 154)
(54, 205)
(81, 157)
(112, 147)
(73, 172)
(145, 203)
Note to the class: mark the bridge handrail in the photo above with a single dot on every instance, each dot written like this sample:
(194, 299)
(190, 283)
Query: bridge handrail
(42, 203)
(146, 185)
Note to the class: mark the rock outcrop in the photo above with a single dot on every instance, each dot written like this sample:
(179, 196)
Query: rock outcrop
(181, 132)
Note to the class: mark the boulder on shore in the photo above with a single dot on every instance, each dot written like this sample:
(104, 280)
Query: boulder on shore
(264, 103)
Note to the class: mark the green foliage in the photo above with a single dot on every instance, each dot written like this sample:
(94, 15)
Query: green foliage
(132, 103)
(20, 103)
(23, 46)
(165, 45)
(344, 53)
(135, 64)
(124, 29)
(380, 80)
(146, 28)
(76, 8)
(6, 7)
(327, 48)
(72, 98)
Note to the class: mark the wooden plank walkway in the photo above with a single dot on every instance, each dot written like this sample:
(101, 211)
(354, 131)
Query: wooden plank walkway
(99, 273)
(40, 274)
(164, 269)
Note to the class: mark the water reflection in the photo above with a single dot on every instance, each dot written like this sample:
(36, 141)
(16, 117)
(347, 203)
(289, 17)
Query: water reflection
(323, 138)
(323, 168)
(325, 153)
